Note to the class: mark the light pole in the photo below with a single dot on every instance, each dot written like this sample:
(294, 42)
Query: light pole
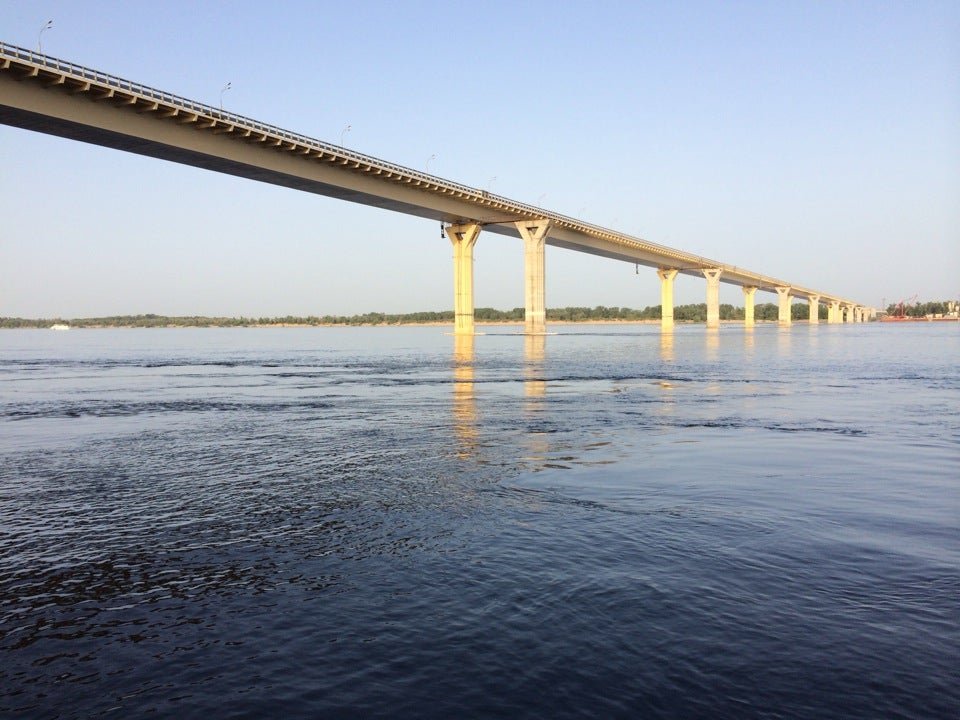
(46, 26)
(427, 168)
(490, 182)
(540, 199)
(343, 132)
(225, 88)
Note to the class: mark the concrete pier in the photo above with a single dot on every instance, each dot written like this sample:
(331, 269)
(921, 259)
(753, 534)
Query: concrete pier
(783, 315)
(463, 238)
(713, 296)
(833, 313)
(667, 276)
(814, 301)
(748, 305)
(534, 234)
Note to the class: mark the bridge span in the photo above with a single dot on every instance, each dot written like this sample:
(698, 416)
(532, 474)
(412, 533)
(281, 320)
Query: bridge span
(52, 96)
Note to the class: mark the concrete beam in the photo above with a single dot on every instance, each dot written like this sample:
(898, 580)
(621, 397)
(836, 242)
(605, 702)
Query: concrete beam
(182, 131)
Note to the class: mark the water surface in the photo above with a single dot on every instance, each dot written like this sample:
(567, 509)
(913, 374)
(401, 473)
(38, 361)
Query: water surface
(389, 522)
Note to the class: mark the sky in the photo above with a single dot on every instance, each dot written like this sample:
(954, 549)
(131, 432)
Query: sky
(817, 142)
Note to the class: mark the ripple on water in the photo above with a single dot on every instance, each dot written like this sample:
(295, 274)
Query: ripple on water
(272, 528)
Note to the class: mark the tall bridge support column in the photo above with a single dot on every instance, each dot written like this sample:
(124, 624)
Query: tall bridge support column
(534, 234)
(847, 313)
(713, 296)
(784, 310)
(667, 276)
(833, 314)
(748, 302)
(814, 301)
(463, 237)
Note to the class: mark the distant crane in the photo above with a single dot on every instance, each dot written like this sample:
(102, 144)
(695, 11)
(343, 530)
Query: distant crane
(901, 311)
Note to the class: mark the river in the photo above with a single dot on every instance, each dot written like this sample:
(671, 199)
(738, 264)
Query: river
(391, 522)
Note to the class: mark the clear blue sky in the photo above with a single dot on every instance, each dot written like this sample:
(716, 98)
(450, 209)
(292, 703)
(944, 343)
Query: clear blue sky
(813, 141)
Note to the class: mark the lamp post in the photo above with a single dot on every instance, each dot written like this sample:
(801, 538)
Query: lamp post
(426, 169)
(490, 182)
(225, 88)
(46, 26)
(343, 132)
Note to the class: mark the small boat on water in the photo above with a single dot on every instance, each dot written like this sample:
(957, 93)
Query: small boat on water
(59, 326)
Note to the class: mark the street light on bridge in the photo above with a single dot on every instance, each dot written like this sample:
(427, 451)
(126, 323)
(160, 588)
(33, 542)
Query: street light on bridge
(225, 88)
(427, 168)
(343, 132)
(46, 26)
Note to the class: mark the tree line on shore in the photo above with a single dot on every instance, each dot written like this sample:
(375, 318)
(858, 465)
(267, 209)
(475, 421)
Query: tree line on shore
(695, 313)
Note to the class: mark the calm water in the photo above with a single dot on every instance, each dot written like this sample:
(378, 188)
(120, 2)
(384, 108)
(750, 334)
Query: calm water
(388, 523)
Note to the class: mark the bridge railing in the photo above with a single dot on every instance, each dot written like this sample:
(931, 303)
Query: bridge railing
(180, 102)
(150, 93)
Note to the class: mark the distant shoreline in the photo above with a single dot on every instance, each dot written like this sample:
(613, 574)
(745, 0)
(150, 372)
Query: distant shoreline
(650, 315)
(265, 326)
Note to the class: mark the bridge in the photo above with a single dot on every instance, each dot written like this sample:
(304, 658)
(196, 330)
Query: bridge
(52, 96)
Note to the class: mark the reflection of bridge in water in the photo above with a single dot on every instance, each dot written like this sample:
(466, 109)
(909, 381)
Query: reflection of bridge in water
(535, 397)
(60, 98)
(464, 396)
(464, 401)
(543, 447)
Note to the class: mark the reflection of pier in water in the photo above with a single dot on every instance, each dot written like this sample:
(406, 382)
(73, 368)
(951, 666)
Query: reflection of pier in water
(464, 397)
(783, 342)
(712, 340)
(666, 346)
(534, 395)
(534, 383)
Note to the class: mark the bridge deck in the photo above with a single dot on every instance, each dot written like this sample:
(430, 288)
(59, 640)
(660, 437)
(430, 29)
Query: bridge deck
(48, 95)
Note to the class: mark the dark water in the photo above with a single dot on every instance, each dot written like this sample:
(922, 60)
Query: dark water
(386, 523)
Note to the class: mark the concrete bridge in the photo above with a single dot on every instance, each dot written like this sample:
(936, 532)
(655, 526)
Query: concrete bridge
(47, 95)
